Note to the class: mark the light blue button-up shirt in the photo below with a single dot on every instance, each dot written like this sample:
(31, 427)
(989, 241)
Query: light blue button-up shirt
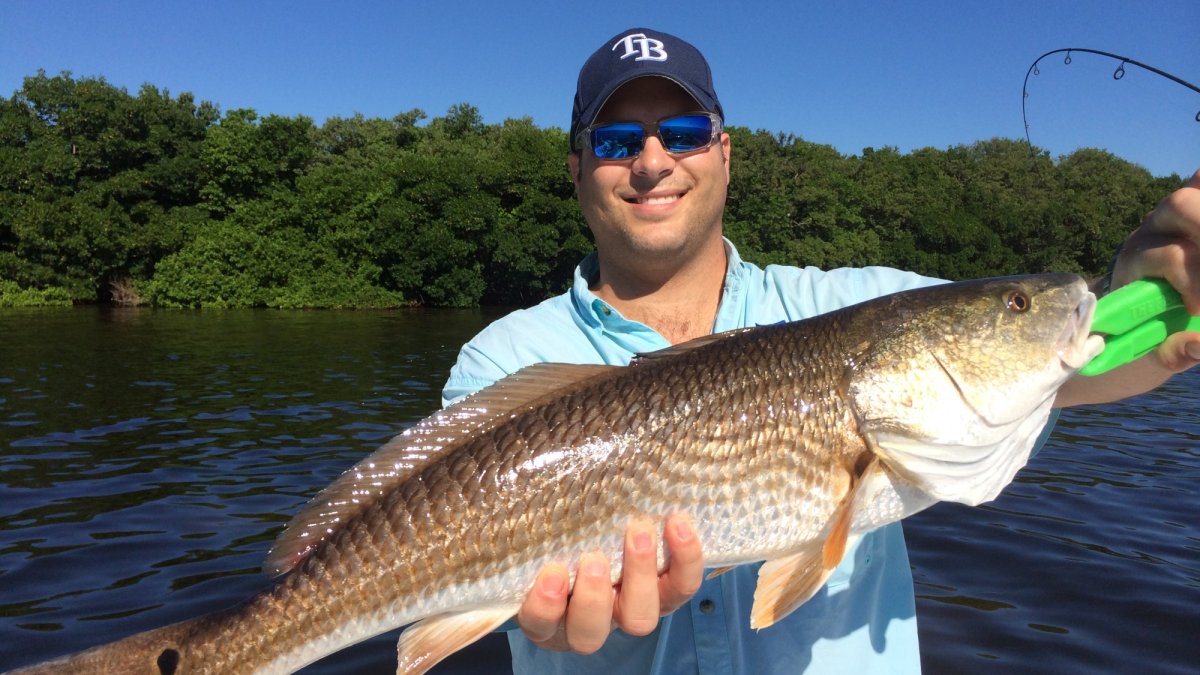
(863, 621)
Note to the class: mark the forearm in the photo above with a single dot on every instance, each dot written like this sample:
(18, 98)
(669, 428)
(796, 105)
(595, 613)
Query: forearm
(1136, 378)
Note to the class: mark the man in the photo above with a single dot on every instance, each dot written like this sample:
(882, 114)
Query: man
(650, 164)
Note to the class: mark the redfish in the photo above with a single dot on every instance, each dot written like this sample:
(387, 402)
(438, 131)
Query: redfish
(784, 443)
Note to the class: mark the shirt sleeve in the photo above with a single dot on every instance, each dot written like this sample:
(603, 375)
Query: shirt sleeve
(544, 333)
(477, 367)
(824, 291)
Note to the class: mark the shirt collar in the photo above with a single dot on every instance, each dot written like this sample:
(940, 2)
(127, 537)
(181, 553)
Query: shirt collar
(599, 314)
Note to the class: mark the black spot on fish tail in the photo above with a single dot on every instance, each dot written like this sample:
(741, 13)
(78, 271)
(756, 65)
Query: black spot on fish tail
(168, 662)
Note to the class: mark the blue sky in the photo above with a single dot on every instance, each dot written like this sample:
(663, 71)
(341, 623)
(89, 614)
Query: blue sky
(848, 74)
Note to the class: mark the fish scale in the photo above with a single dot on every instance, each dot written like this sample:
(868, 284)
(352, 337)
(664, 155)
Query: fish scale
(783, 443)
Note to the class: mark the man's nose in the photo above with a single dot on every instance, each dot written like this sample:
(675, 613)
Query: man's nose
(654, 160)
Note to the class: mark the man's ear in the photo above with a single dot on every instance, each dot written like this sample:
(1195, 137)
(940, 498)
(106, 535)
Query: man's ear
(575, 167)
(726, 150)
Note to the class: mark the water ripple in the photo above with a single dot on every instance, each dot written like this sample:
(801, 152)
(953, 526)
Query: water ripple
(148, 459)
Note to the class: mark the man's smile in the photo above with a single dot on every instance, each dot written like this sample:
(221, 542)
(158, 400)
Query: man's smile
(656, 198)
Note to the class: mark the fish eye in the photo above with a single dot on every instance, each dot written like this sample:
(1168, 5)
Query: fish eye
(1017, 301)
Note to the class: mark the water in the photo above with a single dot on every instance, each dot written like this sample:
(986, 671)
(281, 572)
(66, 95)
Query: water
(148, 458)
(1088, 562)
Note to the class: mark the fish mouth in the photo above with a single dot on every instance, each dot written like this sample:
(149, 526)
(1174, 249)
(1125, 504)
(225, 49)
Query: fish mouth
(1078, 344)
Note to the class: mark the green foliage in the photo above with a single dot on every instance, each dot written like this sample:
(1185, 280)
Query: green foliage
(12, 295)
(112, 197)
(89, 177)
(257, 259)
(244, 159)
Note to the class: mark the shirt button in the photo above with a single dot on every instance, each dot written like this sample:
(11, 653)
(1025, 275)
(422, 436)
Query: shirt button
(707, 606)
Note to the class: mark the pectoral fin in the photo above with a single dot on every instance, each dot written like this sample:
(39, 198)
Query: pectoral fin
(839, 535)
(425, 643)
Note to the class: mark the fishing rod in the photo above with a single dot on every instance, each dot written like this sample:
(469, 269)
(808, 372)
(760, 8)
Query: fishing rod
(1117, 74)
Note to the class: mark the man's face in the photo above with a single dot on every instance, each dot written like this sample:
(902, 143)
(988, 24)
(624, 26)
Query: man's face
(656, 205)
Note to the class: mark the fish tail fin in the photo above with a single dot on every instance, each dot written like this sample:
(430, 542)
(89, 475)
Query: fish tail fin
(161, 651)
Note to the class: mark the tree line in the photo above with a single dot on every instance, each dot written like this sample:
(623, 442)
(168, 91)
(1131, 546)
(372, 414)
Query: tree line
(162, 200)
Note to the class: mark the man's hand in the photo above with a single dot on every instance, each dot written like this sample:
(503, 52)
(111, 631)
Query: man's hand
(581, 621)
(1165, 245)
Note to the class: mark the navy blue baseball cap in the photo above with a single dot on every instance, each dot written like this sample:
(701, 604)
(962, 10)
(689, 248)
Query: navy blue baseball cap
(634, 53)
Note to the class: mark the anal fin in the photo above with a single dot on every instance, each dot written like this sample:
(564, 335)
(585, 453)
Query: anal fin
(718, 571)
(425, 643)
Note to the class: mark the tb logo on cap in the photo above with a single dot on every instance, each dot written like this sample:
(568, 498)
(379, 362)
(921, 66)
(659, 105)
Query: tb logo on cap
(646, 49)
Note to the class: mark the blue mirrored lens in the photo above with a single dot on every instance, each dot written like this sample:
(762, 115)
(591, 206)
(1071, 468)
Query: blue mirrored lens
(617, 141)
(682, 134)
(626, 139)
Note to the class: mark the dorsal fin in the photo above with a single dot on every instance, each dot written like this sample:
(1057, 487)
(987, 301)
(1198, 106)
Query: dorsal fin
(416, 448)
(690, 345)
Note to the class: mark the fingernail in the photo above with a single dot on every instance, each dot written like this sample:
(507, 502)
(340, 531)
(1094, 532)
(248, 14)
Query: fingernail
(683, 530)
(595, 566)
(1193, 349)
(642, 542)
(554, 584)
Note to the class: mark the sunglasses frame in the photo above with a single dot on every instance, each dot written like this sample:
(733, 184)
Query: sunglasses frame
(584, 138)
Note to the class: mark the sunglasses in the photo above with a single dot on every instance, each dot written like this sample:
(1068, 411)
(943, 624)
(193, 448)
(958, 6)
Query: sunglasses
(679, 134)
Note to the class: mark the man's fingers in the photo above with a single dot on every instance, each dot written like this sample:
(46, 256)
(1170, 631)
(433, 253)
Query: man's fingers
(541, 615)
(685, 571)
(1179, 352)
(583, 621)
(1167, 245)
(637, 604)
(590, 612)
(1179, 212)
(1176, 259)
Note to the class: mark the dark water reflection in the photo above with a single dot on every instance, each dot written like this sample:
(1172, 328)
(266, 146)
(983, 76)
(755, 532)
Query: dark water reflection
(147, 460)
(1089, 562)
